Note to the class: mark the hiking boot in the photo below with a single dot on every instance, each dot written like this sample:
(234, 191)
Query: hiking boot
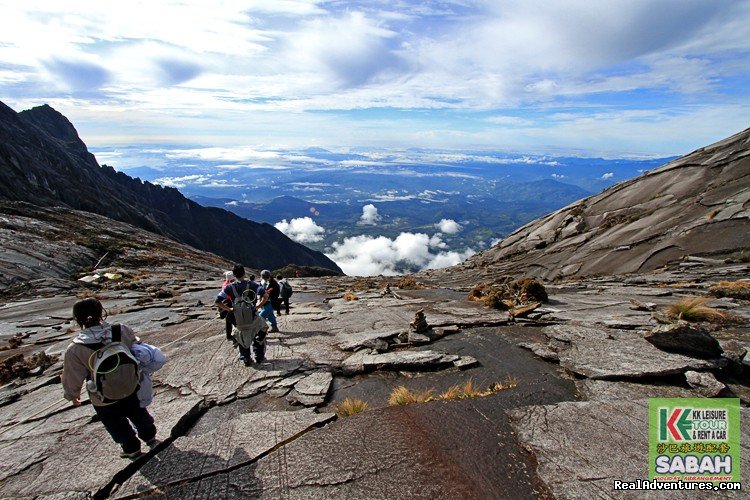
(274, 329)
(248, 362)
(153, 443)
(260, 360)
(132, 455)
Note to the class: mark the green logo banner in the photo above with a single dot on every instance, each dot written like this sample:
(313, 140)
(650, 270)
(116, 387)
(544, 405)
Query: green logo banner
(694, 439)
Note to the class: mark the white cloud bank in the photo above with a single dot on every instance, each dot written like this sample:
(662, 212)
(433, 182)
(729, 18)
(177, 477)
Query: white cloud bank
(448, 226)
(368, 256)
(608, 176)
(370, 215)
(301, 230)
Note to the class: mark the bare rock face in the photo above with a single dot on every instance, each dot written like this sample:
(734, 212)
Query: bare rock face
(363, 362)
(609, 354)
(230, 445)
(581, 448)
(704, 383)
(687, 339)
(695, 205)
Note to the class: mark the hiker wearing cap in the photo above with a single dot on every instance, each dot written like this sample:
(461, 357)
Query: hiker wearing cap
(265, 306)
(101, 355)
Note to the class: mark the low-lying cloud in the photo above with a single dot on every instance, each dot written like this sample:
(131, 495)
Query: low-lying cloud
(371, 256)
(448, 226)
(301, 230)
(370, 215)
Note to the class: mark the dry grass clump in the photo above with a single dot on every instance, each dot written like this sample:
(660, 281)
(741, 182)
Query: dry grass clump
(349, 296)
(509, 294)
(497, 298)
(18, 366)
(695, 309)
(409, 283)
(401, 396)
(477, 292)
(350, 407)
(733, 289)
(469, 390)
(528, 290)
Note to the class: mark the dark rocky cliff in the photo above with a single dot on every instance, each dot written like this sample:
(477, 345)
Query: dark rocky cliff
(43, 161)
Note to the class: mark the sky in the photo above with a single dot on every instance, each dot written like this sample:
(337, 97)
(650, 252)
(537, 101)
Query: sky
(617, 77)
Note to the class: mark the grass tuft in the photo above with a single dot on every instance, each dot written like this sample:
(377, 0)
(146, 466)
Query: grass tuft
(469, 390)
(349, 296)
(695, 309)
(350, 407)
(733, 289)
(401, 396)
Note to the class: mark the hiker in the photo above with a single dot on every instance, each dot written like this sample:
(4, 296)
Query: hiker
(228, 278)
(285, 293)
(266, 306)
(225, 301)
(100, 355)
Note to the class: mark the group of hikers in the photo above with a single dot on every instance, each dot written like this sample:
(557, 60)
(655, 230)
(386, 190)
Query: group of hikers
(116, 366)
(240, 297)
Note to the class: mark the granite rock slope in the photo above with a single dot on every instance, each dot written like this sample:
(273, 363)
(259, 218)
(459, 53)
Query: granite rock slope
(697, 205)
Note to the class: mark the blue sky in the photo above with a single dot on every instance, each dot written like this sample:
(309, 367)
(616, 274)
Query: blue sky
(612, 77)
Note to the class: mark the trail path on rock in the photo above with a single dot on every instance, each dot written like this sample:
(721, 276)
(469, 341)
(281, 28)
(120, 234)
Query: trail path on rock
(270, 430)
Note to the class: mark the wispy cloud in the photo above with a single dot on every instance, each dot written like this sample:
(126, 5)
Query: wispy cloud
(448, 75)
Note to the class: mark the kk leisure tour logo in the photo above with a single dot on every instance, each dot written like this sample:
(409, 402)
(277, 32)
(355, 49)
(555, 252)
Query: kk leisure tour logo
(694, 439)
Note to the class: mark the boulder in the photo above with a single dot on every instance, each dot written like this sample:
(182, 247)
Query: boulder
(600, 390)
(362, 362)
(684, 338)
(311, 390)
(609, 354)
(705, 383)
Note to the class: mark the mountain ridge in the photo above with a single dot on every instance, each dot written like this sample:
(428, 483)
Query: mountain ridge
(43, 160)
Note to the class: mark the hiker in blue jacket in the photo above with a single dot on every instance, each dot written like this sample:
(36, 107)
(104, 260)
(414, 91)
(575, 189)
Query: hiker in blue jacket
(265, 306)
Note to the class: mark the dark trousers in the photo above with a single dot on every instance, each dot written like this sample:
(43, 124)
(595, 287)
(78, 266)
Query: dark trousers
(117, 418)
(284, 301)
(259, 348)
(229, 318)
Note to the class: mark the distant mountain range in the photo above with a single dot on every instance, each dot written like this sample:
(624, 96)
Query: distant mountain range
(488, 193)
(44, 162)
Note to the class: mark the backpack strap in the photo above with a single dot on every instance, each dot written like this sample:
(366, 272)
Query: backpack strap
(116, 333)
(234, 292)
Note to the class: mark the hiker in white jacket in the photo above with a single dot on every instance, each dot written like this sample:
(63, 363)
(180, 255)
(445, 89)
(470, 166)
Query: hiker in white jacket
(100, 355)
